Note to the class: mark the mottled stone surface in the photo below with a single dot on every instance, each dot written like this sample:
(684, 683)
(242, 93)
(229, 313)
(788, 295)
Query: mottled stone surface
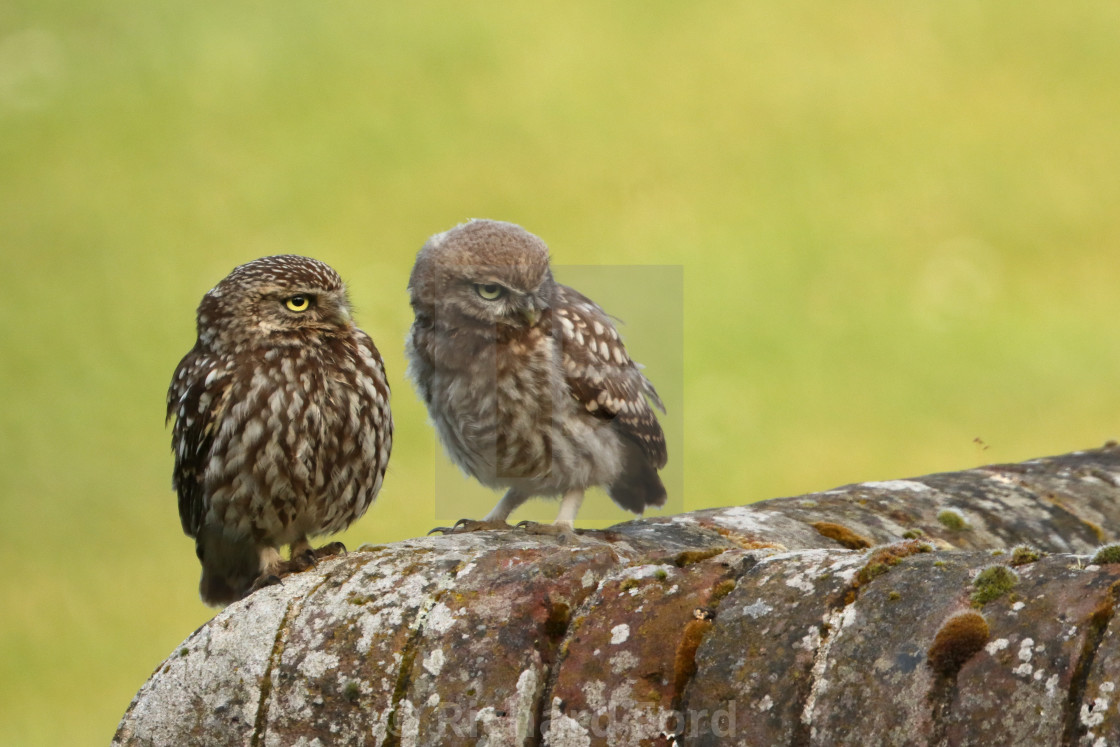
(1097, 715)
(760, 655)
(745, 625)
(627, 657)
(1038, 642)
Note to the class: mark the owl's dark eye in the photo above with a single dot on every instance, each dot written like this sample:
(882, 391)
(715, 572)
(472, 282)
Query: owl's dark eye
(298, 303)
(489, 291)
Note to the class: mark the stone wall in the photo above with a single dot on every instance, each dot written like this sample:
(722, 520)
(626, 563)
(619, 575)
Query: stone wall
(959, 608)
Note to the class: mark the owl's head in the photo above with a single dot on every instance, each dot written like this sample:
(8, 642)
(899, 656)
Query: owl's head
(482, 272)
(284, 299)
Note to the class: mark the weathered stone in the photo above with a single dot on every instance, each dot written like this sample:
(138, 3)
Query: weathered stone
(1097, 720)
(210, 689)
(756, 667)
(745, 625)
(481, 674)
(632, 648)
(337, 663)
(877, 653)
(1042, 635)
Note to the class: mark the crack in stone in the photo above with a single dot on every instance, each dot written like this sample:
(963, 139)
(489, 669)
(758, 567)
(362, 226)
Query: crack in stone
(408, 659)
(1072, 727)
(681, 698)
(810, 688)
(552, 670)
(807, 694)
(294, 607)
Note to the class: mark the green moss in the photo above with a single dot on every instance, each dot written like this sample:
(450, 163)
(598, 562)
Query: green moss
(184, 651)
(992, 583)
(1023, 554)
(661, 574)
(894, 596)
(1107, 554)
(351, 691)
(914, 533)
(882, 559)
(873, 570)
(952, 519)
(628, 584)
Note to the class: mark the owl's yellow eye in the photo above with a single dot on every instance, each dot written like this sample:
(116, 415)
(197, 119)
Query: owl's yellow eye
(489, 291)
(298, 303)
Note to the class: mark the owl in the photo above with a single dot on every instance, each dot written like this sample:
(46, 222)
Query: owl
(526, 380)
(282, 423)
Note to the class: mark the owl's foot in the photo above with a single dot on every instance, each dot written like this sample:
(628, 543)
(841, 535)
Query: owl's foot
(265, 579)
(463, 526)
(304, 556)
(300, 561)
(329, 550)
(560, 529)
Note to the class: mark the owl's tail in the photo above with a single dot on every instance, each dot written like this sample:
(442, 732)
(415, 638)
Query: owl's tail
(230, 566)
(639, 486)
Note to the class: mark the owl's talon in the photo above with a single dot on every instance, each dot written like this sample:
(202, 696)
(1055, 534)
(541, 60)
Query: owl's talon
(464, 526)
(300, 562)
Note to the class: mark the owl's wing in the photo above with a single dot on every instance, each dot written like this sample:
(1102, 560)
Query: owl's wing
(195, 399)
(601, 376)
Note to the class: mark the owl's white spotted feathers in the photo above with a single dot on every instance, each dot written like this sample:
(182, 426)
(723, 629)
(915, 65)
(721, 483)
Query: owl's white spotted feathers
(282, 423)
(527, 381)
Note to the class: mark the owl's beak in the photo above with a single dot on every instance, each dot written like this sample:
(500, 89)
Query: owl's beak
(533, 309)
(342, 315)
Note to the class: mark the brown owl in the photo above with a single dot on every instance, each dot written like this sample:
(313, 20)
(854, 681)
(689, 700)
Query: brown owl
(282, 424)
(526, 380)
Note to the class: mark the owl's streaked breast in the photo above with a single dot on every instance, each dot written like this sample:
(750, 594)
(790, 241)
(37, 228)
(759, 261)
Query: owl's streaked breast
(325, 455)
(504, 412)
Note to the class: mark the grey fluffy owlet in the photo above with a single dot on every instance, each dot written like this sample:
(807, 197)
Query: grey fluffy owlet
(527, 381)
(282, 423)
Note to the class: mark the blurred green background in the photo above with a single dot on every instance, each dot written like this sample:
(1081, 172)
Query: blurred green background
(899, 227)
